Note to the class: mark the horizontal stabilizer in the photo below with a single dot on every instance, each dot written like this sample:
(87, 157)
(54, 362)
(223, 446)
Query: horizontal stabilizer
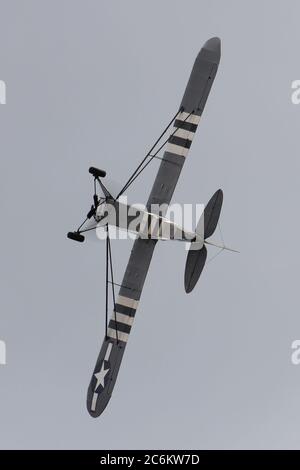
(212, 213)
(194, 266)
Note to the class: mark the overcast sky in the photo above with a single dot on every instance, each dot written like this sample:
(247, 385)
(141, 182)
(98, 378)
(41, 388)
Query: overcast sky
(94, 82)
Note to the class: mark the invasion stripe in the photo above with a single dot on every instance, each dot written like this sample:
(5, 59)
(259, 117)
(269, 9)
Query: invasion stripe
(125, 310)
(128, 320)
(119, 326)
(127, 302)
(187, 126)
(177, 150)
(183, 133)
(193, 118)
(121, 336)
(186, 143)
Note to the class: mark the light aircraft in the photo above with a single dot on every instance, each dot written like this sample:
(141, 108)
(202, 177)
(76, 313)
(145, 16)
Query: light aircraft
(184, 125)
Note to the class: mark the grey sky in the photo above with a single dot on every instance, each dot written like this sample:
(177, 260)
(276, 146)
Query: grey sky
(94, 82)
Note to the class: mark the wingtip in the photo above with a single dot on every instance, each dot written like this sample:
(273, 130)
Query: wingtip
(187, 289)
(213, 45)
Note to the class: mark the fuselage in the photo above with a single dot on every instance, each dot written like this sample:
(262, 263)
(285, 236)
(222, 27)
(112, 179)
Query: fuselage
(138, 220)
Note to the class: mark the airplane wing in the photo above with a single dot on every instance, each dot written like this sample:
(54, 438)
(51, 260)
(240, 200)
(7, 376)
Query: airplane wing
(186, 123)
(120, 325)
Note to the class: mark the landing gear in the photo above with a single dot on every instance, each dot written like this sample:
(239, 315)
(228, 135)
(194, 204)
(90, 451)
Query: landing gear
(76, 236)
(96, 172)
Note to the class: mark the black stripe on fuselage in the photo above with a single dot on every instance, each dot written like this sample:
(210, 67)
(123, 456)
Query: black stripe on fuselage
(174, 139)
(116, 325)
(187, 126)
(126, 310)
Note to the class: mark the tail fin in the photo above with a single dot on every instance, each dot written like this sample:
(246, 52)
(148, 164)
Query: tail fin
(212, 213)
(205, 228)
(209, 219)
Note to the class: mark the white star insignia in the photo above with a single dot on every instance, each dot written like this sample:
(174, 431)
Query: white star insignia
(100, 376)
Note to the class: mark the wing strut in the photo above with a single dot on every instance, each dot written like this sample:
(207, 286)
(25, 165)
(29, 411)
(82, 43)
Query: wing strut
(141, 167)
(109, 266)
(134, 174)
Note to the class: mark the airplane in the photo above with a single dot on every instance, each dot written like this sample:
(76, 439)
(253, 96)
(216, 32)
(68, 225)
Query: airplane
(151, 226)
